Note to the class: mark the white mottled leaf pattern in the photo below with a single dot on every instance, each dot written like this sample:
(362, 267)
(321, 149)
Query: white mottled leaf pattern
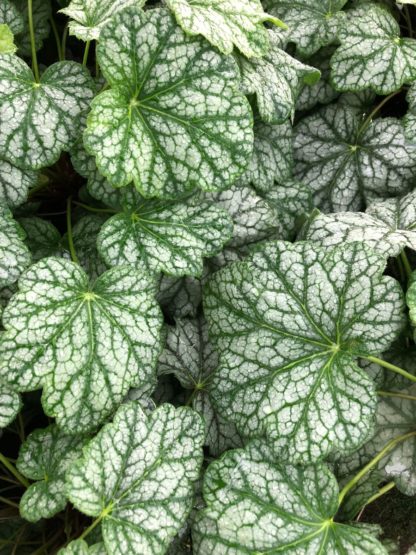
(256, 505)
(289, 324)
(410, 118)
(346, 166)
(137, 474)
(10, 405)
(372, 53)
(86, 344)
(80, 547)
(44, 457)
(14, 184)
(180, 297)
(169, 123)
(321, 92)
(11, 16)
(85, 234)
(42, 237)
(39, 120)
(14, 255)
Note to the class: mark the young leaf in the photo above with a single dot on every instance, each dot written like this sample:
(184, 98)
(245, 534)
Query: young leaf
(256, 505)
(169, 123)
(42, 238)
(11, 16)
(39, 120)
(311, 24)
(388, 226)
(290, 324)
(45, 456)
(346, 165)
(272, 158)
(276, 80)
(10, 405)
(14, 184)
(226, 24)
(137, 477)
(14, 255)
(172, 237)
(372, 53)
(86, 344)
(190, 356)
(88, 17)
(7, 45)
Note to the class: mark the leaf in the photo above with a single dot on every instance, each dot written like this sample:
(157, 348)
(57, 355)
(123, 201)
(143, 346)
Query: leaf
(41, 13)
(10, 405)
(85, 233)
(180, 297)
(293, 202)
(395, 417)
(168, 123)
(137, 475)
(256, 505)
(289, 325)
(86, 344)
(346, 165)
(226, 24)
(10, 16)
(410, 118)
(42, 237)
(388, 226)
(192, 359)
(321, 92)
(272, 158)
(372, 53)
(88, 17)
(45, 456)
(80, 547)
(14, 184)
(276, 80)
(14, 255)
(28, 139)
(311, 24)
(7, 45)
(172, 237)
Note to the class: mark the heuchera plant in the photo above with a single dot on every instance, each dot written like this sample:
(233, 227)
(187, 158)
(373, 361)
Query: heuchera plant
(207, 277)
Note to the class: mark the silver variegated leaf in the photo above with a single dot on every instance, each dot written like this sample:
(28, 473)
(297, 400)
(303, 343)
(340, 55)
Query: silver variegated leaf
(410, 118)
(80, 547)
(14, 255)
(85, 235)
(42, 238)
(10, 405)
(14, 183)
(180, 297)
(321, 92)
(11, 16)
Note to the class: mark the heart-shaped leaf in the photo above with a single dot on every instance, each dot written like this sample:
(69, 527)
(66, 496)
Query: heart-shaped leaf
(290, 324)
(14, 255)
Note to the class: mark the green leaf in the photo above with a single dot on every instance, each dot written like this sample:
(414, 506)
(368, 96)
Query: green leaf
(14, 184)
(137, 476)
(41, 13)
(85, 234)
(290, 324)
(372, 53)
(86, 344)
(7, 45)
(11, 16)
(226, 24)
(276, 80)
(395, 417)
(387, 226)
(10, 405)
(311, 24)
(169, 123)
(14, 255)
(44, 457)
(411, 299)
(88, 17)
(272, 158)
(172, 237)
(321, 92)
(39, 120)
(190, 356)
(410, 118)
(256, 505)
(42, 238)
(346, 165)
(180, 297)
(80, 547)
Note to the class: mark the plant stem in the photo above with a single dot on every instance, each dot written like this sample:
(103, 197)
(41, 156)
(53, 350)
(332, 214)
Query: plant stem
(32, 42)
(406, 264)
(86, 51)
(91, 527)
(370, 117)
(63, 45)
(69, 229)
(92, 209)
(391, 367)
(408, 20)
(57, 39)
(396, 394)
(7, 464)
(369, 466)
(9, 502)
(382, 491)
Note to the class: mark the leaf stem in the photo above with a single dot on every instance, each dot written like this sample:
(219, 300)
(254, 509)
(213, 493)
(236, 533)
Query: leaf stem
(408, 19)
(13, 470)
(369, 466)
(57, 39)
(96, 522)
(86, 52)
(98, 210)
(9, 502)
(396, 394)
(63, 45)
(69, 230)
(382, 491)
(32, 41)
(406, 264)
(391, 367)
(379, 106)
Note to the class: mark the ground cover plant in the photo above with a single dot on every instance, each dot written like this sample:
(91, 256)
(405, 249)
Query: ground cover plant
(207, 277)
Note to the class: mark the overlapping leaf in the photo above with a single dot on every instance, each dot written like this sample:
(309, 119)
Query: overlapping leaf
(276, 79)
(311, 24)
(346, 165)
(44, 457)
(14, 255)
(11, 16)
(7, 45)
(169, 123)
(42, 237)
(180, 297)
(226, 24)
(256, 505)
(372, 53)
(86, 344)
(85, 235)
(80, 547)
(410, 118)
(14, 183)
(88, 17)
(41, 13)
(137, 475)
(289, 324)
(10, 405)
(321, 92)
(39, 120)
(190, 356)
